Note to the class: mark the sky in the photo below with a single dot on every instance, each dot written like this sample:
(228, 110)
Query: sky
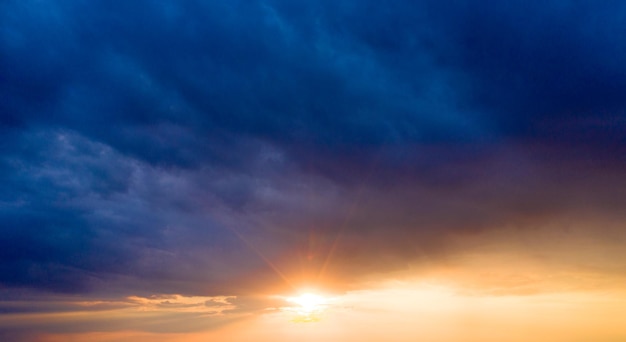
(441, 171)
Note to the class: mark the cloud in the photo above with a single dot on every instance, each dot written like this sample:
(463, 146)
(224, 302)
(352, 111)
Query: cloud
(159, 315)
(188, 148)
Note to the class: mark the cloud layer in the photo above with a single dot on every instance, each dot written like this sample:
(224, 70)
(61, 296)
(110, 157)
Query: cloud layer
(227, 147)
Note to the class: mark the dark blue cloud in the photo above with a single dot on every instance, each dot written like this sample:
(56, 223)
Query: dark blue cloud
(243, 68)
(143, 136)
(76, 214)
(549, 71)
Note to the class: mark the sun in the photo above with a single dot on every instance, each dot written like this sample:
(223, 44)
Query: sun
(308, 306)
(309, 302)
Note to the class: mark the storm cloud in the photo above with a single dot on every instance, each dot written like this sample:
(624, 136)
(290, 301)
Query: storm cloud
(168, 147)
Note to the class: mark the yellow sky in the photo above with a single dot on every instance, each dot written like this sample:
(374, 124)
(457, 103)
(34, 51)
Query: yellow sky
(395, 311)
(512, 285)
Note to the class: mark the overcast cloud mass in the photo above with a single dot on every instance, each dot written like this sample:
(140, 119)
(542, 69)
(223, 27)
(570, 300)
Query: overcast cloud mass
(223, 148)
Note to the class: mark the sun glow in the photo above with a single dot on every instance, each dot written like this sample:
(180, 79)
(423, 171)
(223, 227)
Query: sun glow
(308, 306)
(309, 302)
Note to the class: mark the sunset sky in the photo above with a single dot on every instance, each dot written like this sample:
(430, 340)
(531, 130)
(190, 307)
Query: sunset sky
(287, 170)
